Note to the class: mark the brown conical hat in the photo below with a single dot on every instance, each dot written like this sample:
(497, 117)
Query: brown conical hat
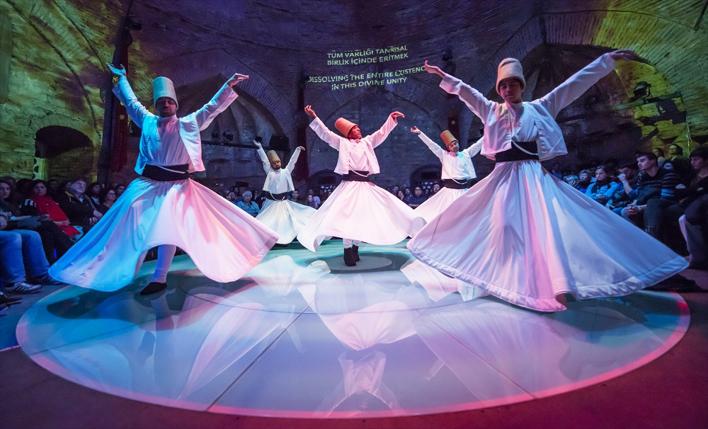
(344, 126)
(447, 137)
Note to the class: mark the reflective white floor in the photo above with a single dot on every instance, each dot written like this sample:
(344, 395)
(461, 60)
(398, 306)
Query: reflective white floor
(302, 336)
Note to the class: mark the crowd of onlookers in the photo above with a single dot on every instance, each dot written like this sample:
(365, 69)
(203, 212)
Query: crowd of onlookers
(664, 195)
(39, 221)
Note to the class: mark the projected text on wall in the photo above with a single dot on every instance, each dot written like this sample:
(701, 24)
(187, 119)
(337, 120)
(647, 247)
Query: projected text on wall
(346, 73)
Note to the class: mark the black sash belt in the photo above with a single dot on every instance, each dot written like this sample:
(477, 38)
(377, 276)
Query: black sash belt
(277, 197)
(457, 184)
(356, 176)
(166, 173)
(516, 154)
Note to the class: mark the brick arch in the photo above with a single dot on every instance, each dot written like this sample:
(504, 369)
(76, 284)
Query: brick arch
(614, 29)
(200, 65)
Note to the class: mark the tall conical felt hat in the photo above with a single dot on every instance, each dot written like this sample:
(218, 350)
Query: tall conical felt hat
(344, 126)
(163, 87)
(272, 156)
(510, 67)
(447, 137)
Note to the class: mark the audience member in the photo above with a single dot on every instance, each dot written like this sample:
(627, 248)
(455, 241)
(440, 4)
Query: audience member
(603, 188)
(108, 198)
(417, 198)
(78, 206)
(94, 192)
(694, 221)
(584, 180)
(246, 204)
(22, 253)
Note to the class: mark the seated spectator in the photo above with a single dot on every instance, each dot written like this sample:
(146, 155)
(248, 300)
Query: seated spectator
(435, 189)
(678, 162)
(313, 201)
(94, 192)
(603, 188)
(407, 194)
(652, 182)
(231, 196)
(120, 188)
(54, 240)
(694, 221)
(23, 189)
(21, 253)
(584, 180)
(295, 196)
(46, 206)
(660, 157)
(417, 198)
(108, 198)
(78, 206)
(248, 205)
(620, 199)
(54, 188)
(401, 195)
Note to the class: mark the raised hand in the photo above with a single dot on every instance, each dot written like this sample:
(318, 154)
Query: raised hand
(236, 78)
(415, 130)
(257, 143)
(625, 54)
(433, 69)
(302, 148)
(396, 115)
(310, 111)
(115, 70)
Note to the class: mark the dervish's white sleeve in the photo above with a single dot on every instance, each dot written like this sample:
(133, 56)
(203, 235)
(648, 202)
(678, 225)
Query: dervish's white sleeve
(264, 158)
(379, 136)
(474, 149)
(293, 159)
(434, 147)
(576, 85)
(477, 103)
(125, 94)
(324, 133)
(218, 103)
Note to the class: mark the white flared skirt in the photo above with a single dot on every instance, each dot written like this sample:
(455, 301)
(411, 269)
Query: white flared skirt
(526, 237)
(361, 211)
(438, 203)
(223, 241)
(285, 217)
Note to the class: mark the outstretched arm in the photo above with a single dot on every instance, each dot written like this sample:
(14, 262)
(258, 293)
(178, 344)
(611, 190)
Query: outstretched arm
(477, 103)
(581, 81)
(263, 157)
(434, 147)
(321, 129)
(474, 149)
(294, 157)
(379, 136)
(219, 102)
(125, 94)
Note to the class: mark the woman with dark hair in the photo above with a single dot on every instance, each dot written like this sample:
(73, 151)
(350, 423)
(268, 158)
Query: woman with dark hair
(46, 206)
(108, 198)
(95, 192)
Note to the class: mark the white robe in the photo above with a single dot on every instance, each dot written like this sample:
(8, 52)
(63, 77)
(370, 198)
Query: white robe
(455, 166)
(359, 210)
(526, 237)
(285, 217)
(223, 241)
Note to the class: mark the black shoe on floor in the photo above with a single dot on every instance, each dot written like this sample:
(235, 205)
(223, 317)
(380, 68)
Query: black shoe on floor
(153, 287)
(356, 252)
(676, 283)
(349, 258)
(9, 300)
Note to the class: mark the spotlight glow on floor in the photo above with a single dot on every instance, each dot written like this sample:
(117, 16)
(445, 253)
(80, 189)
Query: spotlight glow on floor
(304, 336)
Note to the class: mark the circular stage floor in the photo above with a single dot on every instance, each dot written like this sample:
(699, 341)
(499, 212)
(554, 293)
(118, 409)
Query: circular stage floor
(304, 336)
